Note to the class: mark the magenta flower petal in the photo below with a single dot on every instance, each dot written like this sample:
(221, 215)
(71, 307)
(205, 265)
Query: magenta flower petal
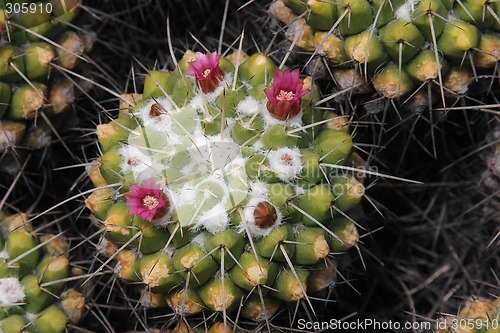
(147, 201)
(284, 96)
(205, 69)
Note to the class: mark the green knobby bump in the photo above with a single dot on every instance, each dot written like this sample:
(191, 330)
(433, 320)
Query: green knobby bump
(270, 246)
(311, 173)
(110, 134)
(11, 58)
(221, 295)
(53, 269)
(315, 204)
(348, 192)
(334, 147)
(280, 195)
(36, 298)
(430, 16)
(474, 12)
(110, 166)
(298, 6)
(158, 272)
(183, 91)
(153, 238)
(232, 244)
(424, 66)
(253, 308)
(159, 84)
(27, 101)
(51, 320)
(193, 263)
(257, 69)
(332, 46)
(402, 40)
(20, 243)
(37, 60)
(288, 287)
(358, 17)
(392, 82)
(99, 202)
(257, 168)
(365, 48)
(457, 38)
(229, 100)
(247, 130)
(322, 14)
(311, 246)
(346, 232)
(118, 224)
(252, 271)
(185, 302)
(12, 324)
(385, 10)
(276, 136)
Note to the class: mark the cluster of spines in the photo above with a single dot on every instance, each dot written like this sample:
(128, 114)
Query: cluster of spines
(37, 54)
(402, 48)
(192, 270)
(33, 274)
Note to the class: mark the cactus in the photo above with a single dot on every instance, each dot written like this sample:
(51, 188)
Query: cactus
(33, 271)
(399, 46)
(221, 188)
(38, 51)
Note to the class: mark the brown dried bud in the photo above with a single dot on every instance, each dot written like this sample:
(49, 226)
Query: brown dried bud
(265, 215)
(155, 110)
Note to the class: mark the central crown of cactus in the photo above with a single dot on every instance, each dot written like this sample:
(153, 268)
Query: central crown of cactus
(398, 45)
(36, 47)
(32, 280)
(232, 183)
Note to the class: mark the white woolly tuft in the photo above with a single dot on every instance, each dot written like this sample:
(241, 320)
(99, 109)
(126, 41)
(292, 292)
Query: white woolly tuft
(248, 107)
(248, 221)
(134, 160)
(31, 316)
(214, 220)
(210, 97)
(259, 189)
(11, 291)
(299, 190)
(159, 122)
(404, 12)
(294, 122)
(285, 162)
(297, 228)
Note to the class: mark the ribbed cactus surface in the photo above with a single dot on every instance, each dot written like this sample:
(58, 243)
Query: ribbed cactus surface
(399, 46)
(33, 269)
(223, 189)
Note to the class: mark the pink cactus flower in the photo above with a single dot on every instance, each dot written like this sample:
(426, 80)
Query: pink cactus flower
(147, 201)
(205, 69)
(284, 97)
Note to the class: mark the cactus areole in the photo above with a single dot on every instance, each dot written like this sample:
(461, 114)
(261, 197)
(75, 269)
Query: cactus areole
(218, 184)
